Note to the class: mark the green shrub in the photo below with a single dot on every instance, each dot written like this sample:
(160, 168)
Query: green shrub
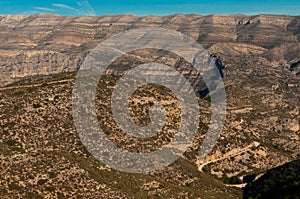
(37, 106)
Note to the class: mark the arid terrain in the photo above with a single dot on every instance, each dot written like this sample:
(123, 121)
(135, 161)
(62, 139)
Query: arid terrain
(42, 155)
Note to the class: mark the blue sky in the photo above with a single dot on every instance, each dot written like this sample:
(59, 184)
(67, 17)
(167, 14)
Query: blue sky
(150, 7)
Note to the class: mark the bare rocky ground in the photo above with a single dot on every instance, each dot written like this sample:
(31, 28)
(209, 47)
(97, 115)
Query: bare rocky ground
(42, 155)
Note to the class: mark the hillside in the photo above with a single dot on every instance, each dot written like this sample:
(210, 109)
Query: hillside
(43, 156)
(280, 182)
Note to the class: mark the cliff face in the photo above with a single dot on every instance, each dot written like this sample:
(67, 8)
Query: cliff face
(46, 44)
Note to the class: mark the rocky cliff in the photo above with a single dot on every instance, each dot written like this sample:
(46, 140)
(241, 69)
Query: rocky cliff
(47, 44)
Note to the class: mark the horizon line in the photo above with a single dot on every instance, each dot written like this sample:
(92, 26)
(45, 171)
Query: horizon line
(199, 14)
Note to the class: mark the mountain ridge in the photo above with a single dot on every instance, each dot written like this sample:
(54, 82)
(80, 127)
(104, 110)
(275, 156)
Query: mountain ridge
(48, 43)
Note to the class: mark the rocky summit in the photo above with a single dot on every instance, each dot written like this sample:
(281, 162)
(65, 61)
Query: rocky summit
(42, 156)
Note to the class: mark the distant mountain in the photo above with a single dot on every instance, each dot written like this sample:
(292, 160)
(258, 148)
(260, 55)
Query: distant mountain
(47, 44)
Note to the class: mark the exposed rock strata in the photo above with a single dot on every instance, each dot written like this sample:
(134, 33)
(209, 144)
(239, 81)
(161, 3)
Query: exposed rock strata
(47, 44)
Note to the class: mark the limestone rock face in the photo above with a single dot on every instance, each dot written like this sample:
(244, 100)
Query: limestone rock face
(46, 44)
